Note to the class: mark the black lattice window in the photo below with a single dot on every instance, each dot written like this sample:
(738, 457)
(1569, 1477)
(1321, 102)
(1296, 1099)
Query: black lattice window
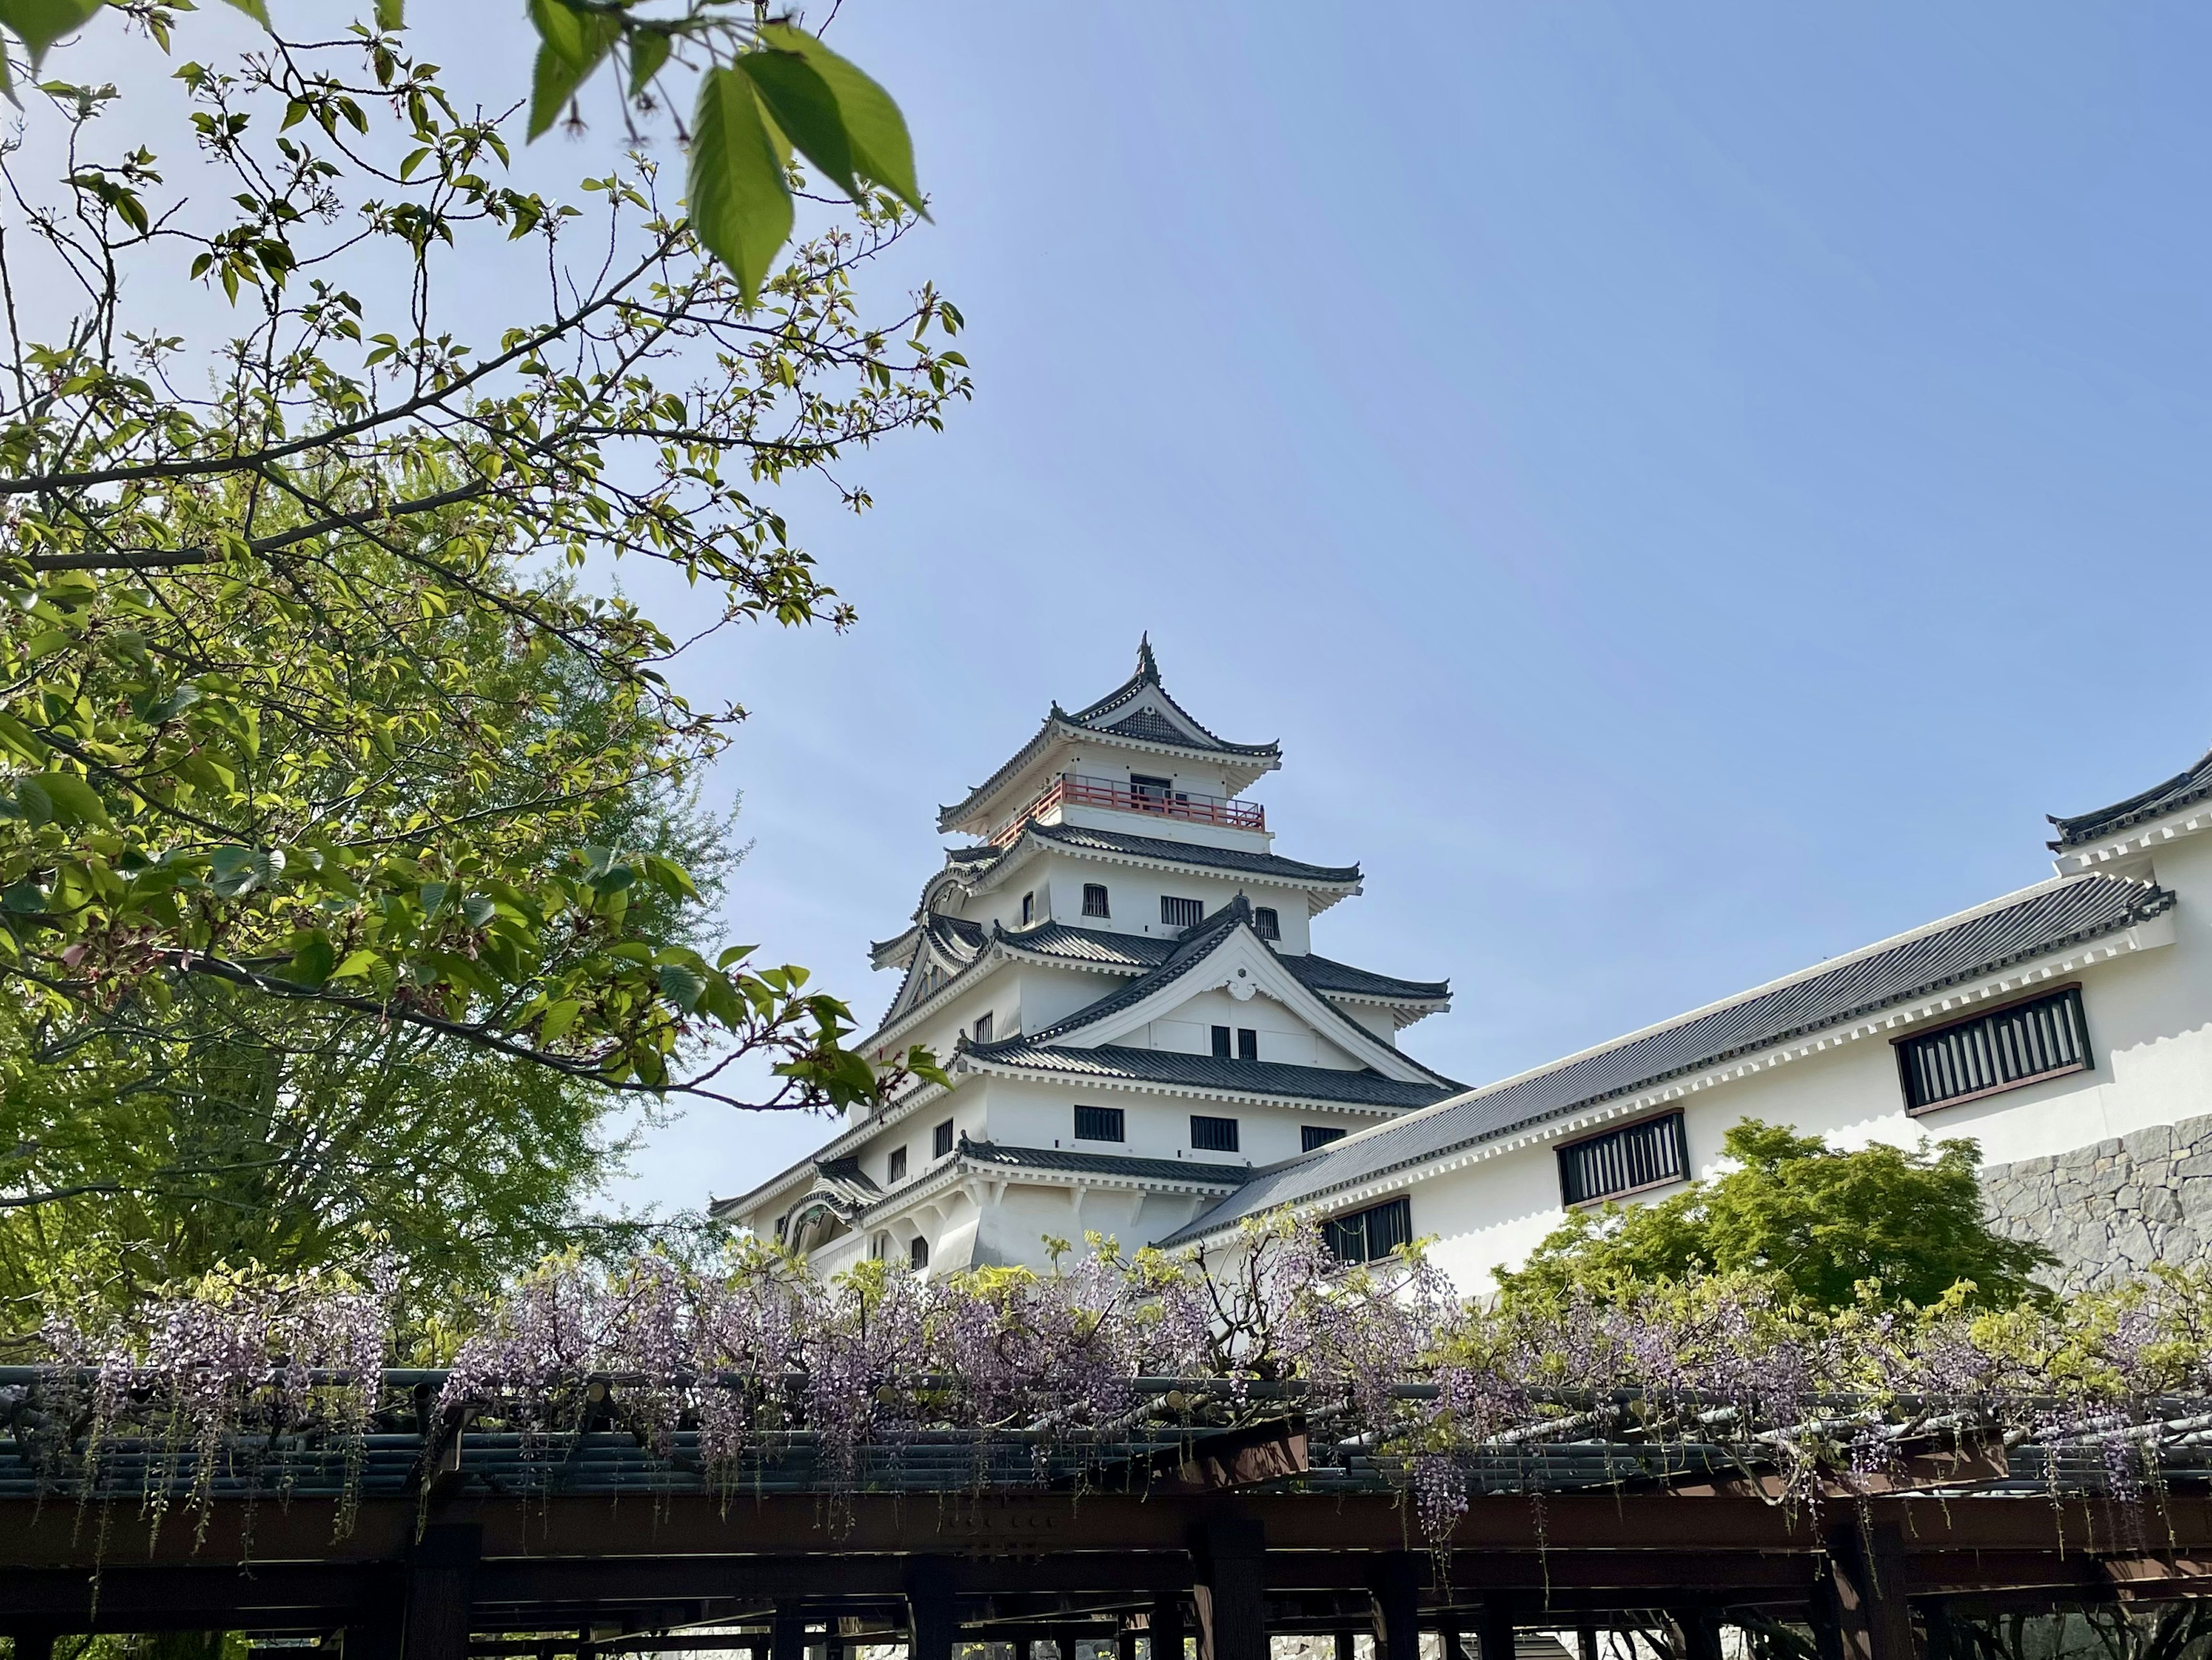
(1369, 1235)
(1094, 900)
(1265, 923)
(1212, 1134)
(1182, 912)
(1627, 1160)
(940, 1140)
(2004, 1050)
(1317, 1135)
(1099, 1124)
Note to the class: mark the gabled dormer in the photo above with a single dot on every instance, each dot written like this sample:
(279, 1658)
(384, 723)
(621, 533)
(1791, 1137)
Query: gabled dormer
(1136, 749)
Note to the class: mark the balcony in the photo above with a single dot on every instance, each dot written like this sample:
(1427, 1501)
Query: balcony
(1072, 789)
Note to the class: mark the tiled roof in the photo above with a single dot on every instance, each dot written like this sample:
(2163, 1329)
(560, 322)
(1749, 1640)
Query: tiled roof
(1325, 975)
(1142, 952)
(1105, 1164)
(2178, 791)
(1194, 948)
(1211, 1072)
(1145, 726)
(1267, 865)
(2013, 930)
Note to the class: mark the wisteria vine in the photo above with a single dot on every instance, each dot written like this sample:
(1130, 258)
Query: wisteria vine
(1111, 1369)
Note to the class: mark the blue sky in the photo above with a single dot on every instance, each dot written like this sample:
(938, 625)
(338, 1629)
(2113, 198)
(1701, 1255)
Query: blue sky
(1688, 486)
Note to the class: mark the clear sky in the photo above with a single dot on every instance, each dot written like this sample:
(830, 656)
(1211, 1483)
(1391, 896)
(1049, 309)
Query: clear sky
(1689, 486)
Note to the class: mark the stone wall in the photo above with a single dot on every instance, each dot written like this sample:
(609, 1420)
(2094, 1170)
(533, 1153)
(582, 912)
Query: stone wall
(2111, 1209)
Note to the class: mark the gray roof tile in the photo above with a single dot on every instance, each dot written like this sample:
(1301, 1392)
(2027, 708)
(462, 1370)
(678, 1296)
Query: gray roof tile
(1105, 1164)
(2043, 919)
(2178, 791)
(1210, 1072)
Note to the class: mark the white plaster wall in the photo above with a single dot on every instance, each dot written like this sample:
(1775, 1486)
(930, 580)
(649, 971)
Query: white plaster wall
(1021, 1113)
(1134, 895)
(1283, 1036)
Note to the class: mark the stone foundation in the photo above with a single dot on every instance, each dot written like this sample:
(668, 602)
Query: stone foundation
(2112, 1208)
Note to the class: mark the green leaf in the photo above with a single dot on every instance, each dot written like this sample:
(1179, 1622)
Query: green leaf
(681, 985)
(573, 42)
(806, 110)
(391, 14)
(358, 964)
(312, 957)
(648, 51)
(558, 1019)
(64, 798)
(19, 738)
(38, 23)
(874, 129)
(739, 206)
(24, 898)
(254, 8)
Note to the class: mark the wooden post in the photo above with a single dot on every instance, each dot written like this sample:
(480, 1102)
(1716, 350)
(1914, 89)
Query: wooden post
(788, 1633)
(1125, 1642)
(34, 1644)
(1494, 1633)
(1586, 1642)
(438, 1571)
(1453, 1648)
(1348, 1646)
(1942, 1642)
(1165, 1640)
(1231, 1591)
(1395, 1588)
(1024, 1649)
(931, 1626)
(1862, 1598)
(1701, 1634)
(376, 1639)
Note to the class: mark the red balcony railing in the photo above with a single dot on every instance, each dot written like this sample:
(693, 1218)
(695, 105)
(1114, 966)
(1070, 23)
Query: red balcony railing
(1119, 794)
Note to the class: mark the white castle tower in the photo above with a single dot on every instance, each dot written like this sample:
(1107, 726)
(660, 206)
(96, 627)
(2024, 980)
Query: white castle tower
(1118, 976)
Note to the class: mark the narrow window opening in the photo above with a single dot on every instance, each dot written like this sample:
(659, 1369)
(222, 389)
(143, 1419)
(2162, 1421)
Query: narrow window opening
(983, 1028)
(1265, 923)
(1248, 1043)
(1094, 899)
(1627, 1160)
(1212, 1134)
(1182, 912)
(1317, 1135)
(917, 1254)
(1221, 1043)
(1100, 1124)
(2007, 1049)
(1369, 1235)
(940, 1140)
(897, 1169)
(1028, 908)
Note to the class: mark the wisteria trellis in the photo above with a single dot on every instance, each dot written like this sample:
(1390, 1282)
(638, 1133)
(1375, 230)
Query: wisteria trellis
(1084, 1374)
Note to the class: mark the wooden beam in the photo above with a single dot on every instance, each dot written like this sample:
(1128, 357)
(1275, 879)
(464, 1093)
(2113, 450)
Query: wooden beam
(1493, 1632)
(1701, 1634)
(439, 1592)
(1230, 1556)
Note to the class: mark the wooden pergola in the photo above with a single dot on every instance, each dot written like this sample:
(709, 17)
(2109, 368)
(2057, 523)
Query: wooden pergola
(458, 1543)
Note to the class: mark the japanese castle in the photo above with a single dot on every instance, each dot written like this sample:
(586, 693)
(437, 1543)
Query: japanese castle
(1118, 971)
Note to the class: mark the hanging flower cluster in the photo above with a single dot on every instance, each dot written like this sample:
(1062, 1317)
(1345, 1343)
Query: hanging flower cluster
(1113, 1370)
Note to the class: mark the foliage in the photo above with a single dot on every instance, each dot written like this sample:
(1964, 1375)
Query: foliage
(763, 88)
(1101, 1362)
(279, 653)
(1819, 1223)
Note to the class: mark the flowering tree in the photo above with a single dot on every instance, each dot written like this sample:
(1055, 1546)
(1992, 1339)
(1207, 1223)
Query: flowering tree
(1112, 1368)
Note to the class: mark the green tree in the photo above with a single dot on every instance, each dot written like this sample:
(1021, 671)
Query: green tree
(1819, 1223)
(340, 785)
